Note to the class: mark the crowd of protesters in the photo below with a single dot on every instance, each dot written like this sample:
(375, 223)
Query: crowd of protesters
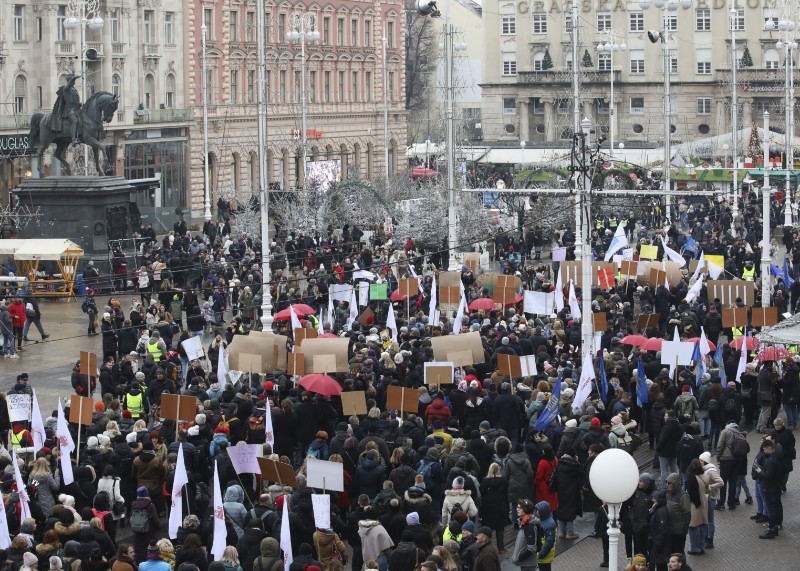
(451, 486)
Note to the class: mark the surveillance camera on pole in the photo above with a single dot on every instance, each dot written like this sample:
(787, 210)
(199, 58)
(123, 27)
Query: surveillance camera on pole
(428, 8)
(654, 36)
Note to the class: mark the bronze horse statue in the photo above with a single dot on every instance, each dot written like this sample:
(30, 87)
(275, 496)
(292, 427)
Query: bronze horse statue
(98, 109)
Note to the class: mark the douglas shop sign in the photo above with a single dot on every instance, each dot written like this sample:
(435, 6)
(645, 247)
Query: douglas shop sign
(14, 146)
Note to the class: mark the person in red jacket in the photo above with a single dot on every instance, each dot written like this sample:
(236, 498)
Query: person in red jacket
(437, 409)
(17, 311)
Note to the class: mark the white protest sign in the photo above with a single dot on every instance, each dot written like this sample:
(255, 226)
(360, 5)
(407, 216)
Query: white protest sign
(340, 292)
(19, 407)
(559, 254)
(322, 510)
(325, 475)
(245, 458)
(193, 347)
(363, 294)
(670, 350)
(539, 302)
(528, 365)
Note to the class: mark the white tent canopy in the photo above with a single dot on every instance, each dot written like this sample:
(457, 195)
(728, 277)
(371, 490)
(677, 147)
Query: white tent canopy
(712, 147)
(39, 249)
(786, 332)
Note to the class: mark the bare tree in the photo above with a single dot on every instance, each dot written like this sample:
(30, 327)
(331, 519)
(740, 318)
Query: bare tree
(421, 58)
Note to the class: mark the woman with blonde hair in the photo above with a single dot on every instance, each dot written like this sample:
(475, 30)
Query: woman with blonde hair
(328, 546)
(230, 558)
(450, 562)
(167, 551)
(46, 486)
(112, 428)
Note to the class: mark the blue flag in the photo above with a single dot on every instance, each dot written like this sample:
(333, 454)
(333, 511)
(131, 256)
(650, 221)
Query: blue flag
(691, 246)
(603, 380)
(697, 357)
(776, 271)
(551, 409)
(787, 279)
(547, 332)
(721, 364)
(641, 385)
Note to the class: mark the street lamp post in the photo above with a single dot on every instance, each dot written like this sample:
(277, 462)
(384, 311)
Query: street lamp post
(765, 221)
(584, 197)
(207, 196)
(666, 7)
(385, 114)
(522, 148)
(304, 26)
(263, 183)
(787, 42)
(734, 110)
(613, 477)
(83, 14)
(610, 46)
(725, 148)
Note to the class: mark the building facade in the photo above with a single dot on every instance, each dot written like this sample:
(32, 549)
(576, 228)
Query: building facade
(344, 105)
(527, 91)
(137, 53)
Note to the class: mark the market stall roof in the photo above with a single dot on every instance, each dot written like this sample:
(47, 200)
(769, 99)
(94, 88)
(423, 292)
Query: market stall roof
(786, 332)
(45, 249)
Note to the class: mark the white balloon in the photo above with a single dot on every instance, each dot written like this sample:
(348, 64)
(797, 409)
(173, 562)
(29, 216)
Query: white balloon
(614, 476)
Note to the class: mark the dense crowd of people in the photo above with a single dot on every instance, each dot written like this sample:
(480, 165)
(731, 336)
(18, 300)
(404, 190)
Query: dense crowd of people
(439, 488)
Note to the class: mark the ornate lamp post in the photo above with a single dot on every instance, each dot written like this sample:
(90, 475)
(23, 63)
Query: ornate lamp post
(304, 26)
(610, 46)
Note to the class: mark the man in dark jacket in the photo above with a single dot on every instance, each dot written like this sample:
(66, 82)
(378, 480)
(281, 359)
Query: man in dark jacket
(488, 557)
(249, 545)
(771, 477)
(508, 412)
(667, 445)
(407, 555)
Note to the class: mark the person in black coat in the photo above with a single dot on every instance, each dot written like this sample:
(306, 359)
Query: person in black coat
(569, 480)
(494, 503)
(660, 539)
(667, 445)
(249, 545)
(370, 474)
(407, 554)
(508, 411)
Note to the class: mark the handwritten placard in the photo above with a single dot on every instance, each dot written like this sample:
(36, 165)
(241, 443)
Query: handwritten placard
(245, 458)
(19, 407)
(322, 510)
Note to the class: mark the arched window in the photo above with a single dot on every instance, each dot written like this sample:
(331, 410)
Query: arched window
(149, 91)
(169, 92)
(115, 85)
(20, 94)
(369, 160)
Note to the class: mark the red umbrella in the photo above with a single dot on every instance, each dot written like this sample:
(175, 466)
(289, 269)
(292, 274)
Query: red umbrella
(710, 344)
(397, 296)
(328, 336)
(299, 308)
(635, 340)
(484, 303)
(775, 354)
(321, 384)
(420, 171)
(751, 344)
(653, 344)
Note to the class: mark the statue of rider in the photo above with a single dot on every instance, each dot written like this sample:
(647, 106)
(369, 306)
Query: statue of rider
(67, 106)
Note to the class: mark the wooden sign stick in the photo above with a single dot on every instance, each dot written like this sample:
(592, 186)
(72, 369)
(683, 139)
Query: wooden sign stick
(177, 419)
(78, 447)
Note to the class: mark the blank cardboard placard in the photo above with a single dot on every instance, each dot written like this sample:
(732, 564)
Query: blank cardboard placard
(250, 362)
(438, 373)
(472, 261)
(727, 291)
(599, 321)
(502, 280)
(80, 410)
(354, 403)
(648, 252)
(366, 316)
(402, 399)
(657, 277)
(647, 321)
(302, 333)
(460, 358)
(319, 346)
(514, 366)
(670, 350)
(573, 271)
(271, 347)
(273, 471)
(538, 302)
(323, 364)
(175, 407)
(296, 364)
(504, 295)
(449, 294)
(734, 317)
(451, 279)
(378, 292)
(88, 364)
(765, 316)
(447, 344)
(325, 475)
(673, 272)
(629, 269)
(322, 510)
(408, 287)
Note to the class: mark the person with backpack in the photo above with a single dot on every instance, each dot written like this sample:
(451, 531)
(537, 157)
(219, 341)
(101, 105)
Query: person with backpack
(732, 451)
(144, 523)
(458, 499)
(685, 406)
(271, 558)
(319, 446)
(529, 537)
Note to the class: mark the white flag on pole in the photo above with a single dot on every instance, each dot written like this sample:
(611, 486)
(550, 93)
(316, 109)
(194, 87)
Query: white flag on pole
(331, 314)
(694, 291)
(353, 310)
(559, 292)
(180, 479)
(220, 532)
(65, 446)
(295, 320)
(391, 323)
(459, 321)
(705, 348)
(270, 434)
(585, 383)
(701, 264)
(672, 254)
(5, 539)
(619, 241)
(22, 491)
(286, 535)
(37, 426)
(742, 359)
(433, 313)
(222, 366)
(574, 306)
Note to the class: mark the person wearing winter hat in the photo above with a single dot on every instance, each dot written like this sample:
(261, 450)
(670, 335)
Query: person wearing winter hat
(638, 563)
(29, 562)
(458, 495)
(714, 484)
(487, 556)
(55, 563)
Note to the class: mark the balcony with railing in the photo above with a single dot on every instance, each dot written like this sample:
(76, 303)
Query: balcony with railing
(141, 116)
(754, 75)
(66, 48)
(152, 50)
(14, 122)
(118, 48)
(564, 76)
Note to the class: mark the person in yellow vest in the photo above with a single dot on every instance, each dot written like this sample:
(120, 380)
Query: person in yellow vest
(156, 347)
(749, 272)
(20, 437)
(737, 332)
(135, 402)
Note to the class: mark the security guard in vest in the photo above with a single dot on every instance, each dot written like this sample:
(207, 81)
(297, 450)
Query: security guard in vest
(612, 222)
(313, 320)
(156, 346)
(20, 437)
(135, 402)
(737, 332)
(749, 272)
(599, 223)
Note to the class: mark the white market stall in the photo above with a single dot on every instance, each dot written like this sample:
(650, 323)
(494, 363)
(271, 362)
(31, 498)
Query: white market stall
(28, 256)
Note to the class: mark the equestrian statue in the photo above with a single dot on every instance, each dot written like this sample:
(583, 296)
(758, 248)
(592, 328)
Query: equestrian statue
(71, 123)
